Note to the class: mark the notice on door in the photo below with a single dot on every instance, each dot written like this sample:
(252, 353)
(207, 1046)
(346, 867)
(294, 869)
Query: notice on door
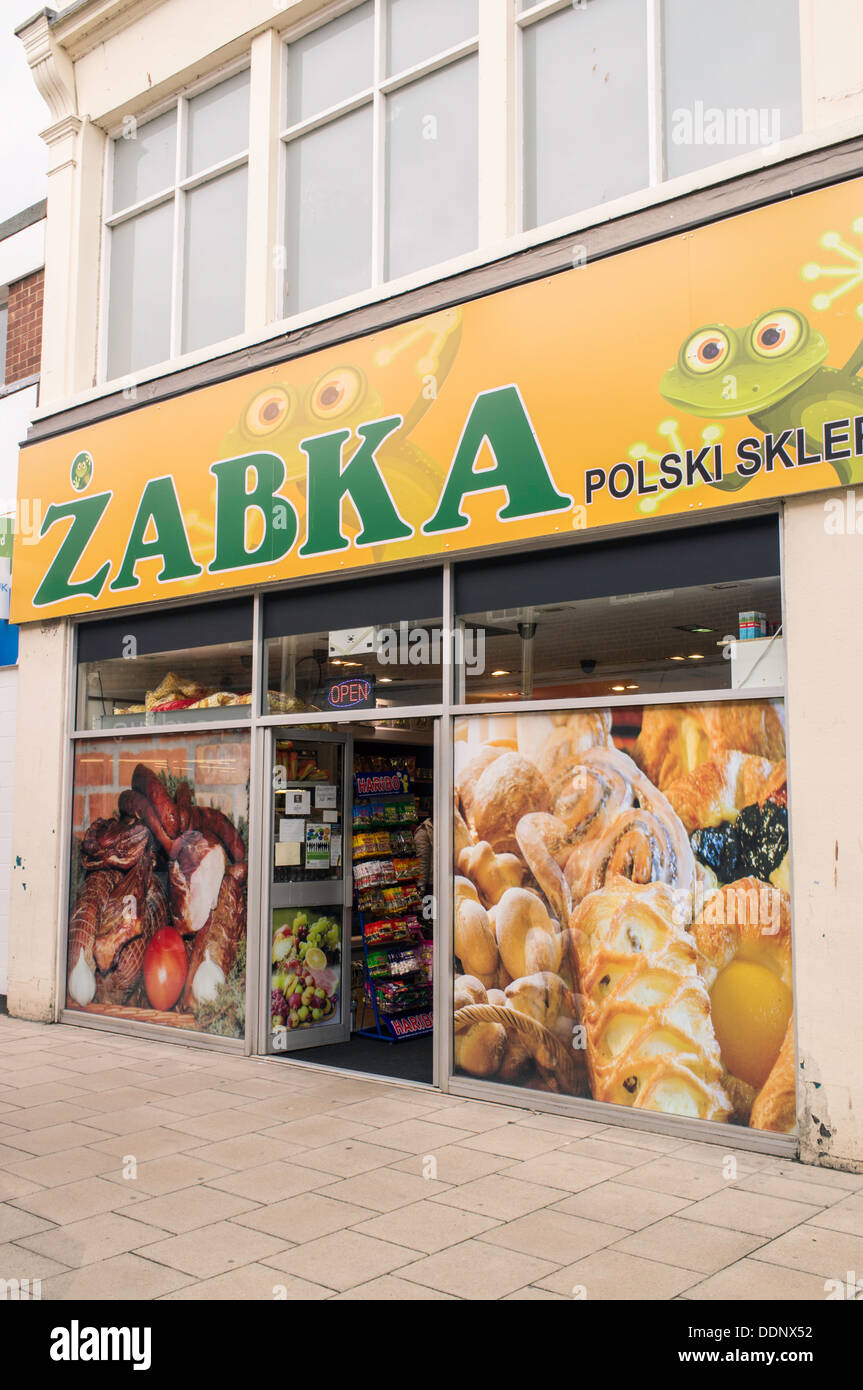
(317, 846)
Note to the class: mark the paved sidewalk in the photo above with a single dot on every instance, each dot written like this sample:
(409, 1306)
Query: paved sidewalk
(131, 1169)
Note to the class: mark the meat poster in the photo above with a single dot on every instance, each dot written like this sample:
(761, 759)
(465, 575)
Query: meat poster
(157, 926)
(622, 925)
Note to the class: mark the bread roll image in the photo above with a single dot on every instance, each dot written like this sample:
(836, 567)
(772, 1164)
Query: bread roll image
(490, 873)
(527, 937)
(496, 789)
(546, 998)
(473, 938)
(468, 990)
(479, 1048)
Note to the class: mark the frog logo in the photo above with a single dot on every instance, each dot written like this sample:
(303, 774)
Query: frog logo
(82, 471)
(772, 371)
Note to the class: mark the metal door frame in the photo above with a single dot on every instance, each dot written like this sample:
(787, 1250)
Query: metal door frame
(258, 1026)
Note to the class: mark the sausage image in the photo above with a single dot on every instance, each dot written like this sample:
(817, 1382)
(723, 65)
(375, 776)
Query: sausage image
(145, 781)
(133, 803)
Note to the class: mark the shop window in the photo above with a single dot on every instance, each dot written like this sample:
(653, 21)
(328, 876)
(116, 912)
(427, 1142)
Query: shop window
(561, 627)
(367, 645)
(622, 921)
(187, 665)
(159, 855)
(593, 130)
(177, 245)
(380, 147)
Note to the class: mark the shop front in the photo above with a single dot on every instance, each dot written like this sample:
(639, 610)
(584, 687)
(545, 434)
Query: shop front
(427, 693)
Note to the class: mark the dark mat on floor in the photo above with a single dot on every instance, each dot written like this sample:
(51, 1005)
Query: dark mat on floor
(410, 1060)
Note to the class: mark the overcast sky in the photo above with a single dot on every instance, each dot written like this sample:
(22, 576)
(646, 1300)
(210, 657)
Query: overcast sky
(23, 114)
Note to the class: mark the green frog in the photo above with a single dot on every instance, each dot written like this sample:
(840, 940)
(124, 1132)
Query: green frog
(772, 370)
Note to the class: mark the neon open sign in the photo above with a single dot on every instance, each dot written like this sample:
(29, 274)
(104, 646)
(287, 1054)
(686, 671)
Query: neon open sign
(352, 692)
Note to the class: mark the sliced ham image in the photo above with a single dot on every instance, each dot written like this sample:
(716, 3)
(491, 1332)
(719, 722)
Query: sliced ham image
(194, 879)
(215, 948)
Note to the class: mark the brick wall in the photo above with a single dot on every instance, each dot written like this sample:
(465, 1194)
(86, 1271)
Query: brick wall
(24, 334)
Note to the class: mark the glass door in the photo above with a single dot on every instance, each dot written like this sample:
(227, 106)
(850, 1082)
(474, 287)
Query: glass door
(309, 898)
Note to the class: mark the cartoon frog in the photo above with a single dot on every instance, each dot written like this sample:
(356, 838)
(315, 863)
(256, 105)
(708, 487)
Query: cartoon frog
(771, 370)
(400, 376)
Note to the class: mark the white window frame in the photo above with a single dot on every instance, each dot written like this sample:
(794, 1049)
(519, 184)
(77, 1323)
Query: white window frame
(375, 96)
(175, 192)
(499, 192)
(658, 179)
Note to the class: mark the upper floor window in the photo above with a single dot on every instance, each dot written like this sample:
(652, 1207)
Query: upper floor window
(620, 95)
(380, 147)
(177, 246)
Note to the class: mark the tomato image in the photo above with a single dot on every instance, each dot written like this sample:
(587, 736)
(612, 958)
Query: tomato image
(165, 968)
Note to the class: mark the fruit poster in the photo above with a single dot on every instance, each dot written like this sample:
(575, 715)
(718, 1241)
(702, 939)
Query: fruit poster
(157, 925)
(622, 925)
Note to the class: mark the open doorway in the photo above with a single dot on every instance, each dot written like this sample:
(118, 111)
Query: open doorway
(351, 900)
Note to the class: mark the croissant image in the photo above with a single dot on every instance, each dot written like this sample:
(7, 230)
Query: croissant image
(717, 790)
(676, 739)
(646, 1011)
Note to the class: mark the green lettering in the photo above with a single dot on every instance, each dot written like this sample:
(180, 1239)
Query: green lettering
(159, 503)
(234, 501)
(86, 513)
(520, 470)
(360, 479)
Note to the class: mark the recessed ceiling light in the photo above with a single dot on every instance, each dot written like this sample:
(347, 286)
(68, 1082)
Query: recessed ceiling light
(693, 627)
(335, 661)
(618, 687)
(632, 687)
(350, 663)
(696, 656)
(385, 680)
(677, 658)
(500, 673)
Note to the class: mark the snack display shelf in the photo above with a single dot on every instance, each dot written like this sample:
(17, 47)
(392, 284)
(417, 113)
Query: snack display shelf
(400, 1001)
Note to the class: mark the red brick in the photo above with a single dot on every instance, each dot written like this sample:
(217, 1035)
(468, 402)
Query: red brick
(161, 758)
(24, 327)
(223, 801)
(222, 764)
(94, 770)
(101, 805)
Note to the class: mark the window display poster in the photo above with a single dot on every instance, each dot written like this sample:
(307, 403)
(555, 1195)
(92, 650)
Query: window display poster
(622, 924)
(157, 927)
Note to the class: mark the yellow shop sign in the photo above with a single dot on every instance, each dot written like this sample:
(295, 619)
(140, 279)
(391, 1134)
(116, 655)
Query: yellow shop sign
(714, 366)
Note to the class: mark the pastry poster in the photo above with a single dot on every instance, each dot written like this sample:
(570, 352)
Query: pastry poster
(621, 912)
(712, 367)
(157, 927)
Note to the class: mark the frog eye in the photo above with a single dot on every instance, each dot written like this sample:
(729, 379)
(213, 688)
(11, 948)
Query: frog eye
(706, 350)
(268, 411)
(336, 393)
(774, 335)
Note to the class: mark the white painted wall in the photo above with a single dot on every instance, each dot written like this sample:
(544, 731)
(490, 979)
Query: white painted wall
(8, 702)
(22, 253)
(16, 412)
(824, 648)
